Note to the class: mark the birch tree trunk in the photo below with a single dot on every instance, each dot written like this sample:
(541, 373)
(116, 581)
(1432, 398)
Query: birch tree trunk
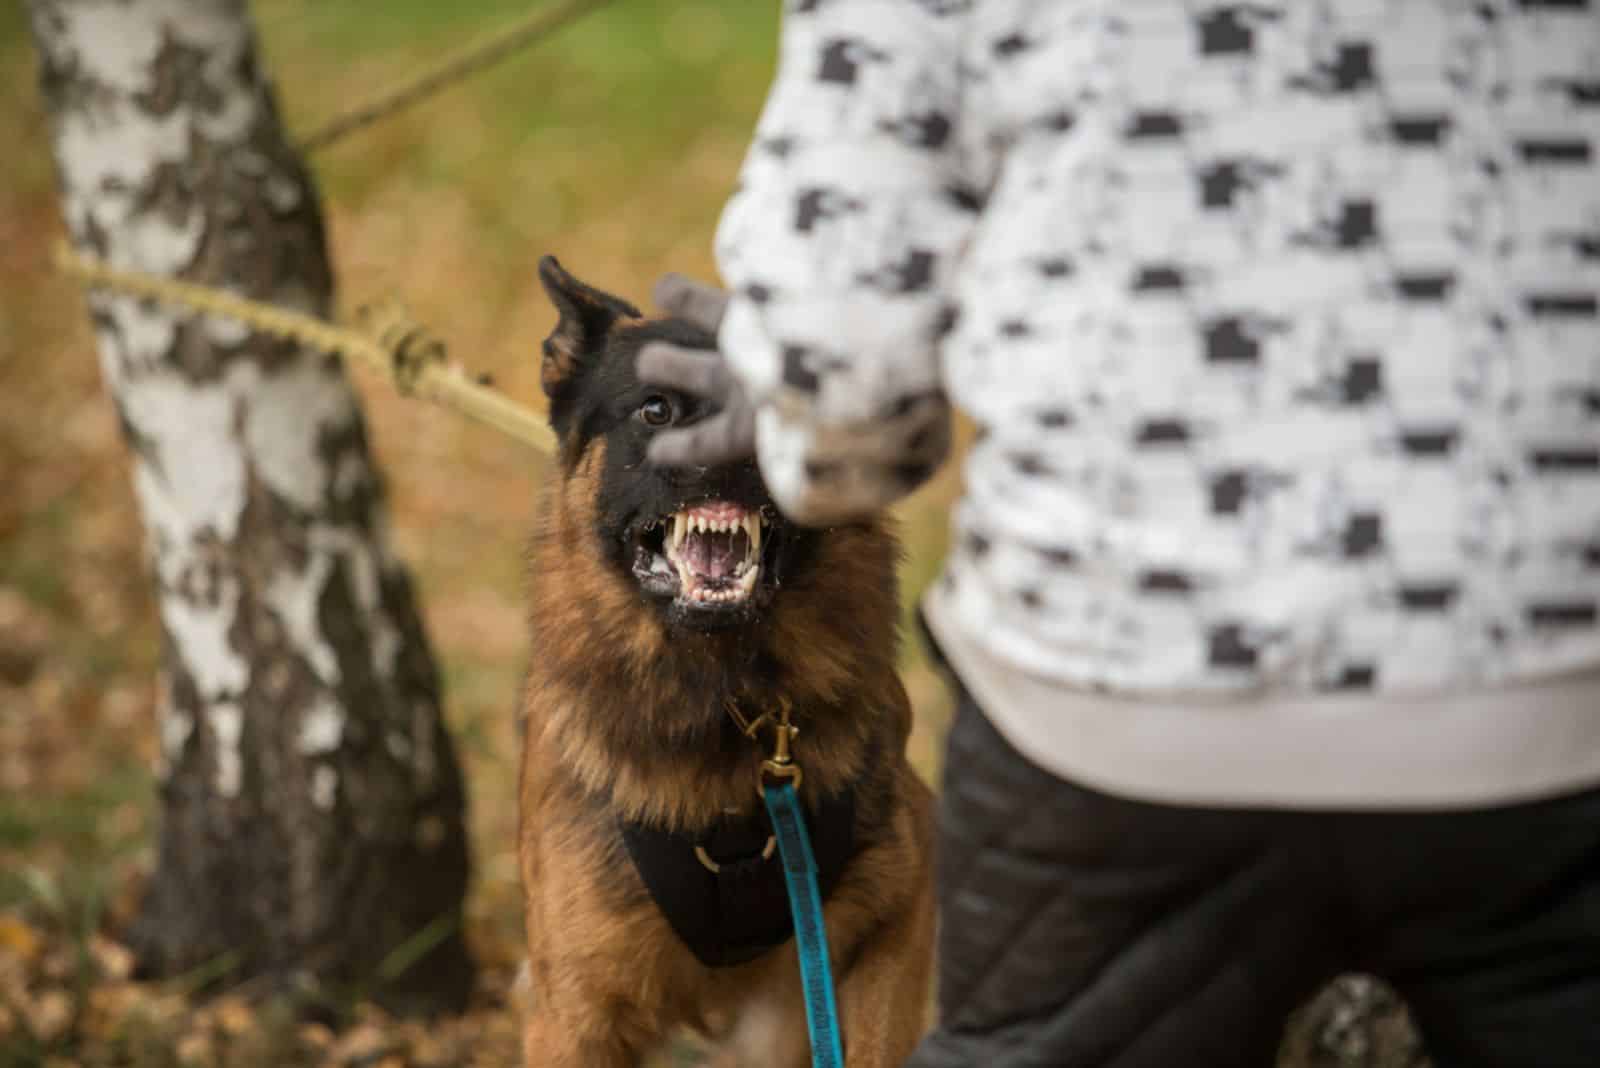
(311, 801)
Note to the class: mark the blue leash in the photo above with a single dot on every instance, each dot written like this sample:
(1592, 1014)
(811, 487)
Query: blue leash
(810, 936)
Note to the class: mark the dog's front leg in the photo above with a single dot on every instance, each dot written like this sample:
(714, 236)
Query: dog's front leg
(886, 997)
(549, 1041)
(552, 1038)
(884, 1000)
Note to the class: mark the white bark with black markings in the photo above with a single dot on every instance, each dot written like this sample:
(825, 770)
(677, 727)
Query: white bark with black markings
(312, 816)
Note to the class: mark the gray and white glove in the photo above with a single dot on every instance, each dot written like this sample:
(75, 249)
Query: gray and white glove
(730, 434)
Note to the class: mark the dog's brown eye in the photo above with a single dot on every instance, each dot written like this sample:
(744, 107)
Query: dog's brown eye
(657, 411)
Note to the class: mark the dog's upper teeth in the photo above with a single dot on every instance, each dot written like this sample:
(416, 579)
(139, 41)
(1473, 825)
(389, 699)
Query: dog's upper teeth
(752, 530)
(682, 524)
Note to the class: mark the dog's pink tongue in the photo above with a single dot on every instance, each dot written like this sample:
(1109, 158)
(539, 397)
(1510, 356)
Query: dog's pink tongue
(713, 555)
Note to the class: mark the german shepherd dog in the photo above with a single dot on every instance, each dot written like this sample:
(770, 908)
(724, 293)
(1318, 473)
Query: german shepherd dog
(672, 610)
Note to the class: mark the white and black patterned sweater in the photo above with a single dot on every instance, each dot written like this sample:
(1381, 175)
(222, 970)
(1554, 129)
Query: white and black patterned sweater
(1280, 323)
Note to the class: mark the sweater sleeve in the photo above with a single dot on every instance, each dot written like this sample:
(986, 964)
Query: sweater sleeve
(838, 247)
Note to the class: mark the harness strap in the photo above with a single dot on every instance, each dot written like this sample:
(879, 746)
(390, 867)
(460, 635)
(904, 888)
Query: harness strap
(810, 934)
(736, 907)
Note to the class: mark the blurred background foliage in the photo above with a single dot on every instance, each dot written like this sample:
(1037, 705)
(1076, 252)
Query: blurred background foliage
(612, 145)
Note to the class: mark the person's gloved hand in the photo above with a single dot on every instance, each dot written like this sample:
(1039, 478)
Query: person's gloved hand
(730, 434)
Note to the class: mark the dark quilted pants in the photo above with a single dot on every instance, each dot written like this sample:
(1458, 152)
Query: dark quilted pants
(1078, 929)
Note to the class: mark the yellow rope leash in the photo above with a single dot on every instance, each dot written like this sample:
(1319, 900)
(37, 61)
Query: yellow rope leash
(470, 61)
(391, 343)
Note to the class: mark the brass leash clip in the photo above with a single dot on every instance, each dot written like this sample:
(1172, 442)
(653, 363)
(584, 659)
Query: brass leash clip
(780, 765)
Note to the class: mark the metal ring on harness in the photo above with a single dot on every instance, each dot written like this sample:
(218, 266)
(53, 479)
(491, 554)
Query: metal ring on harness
(714, 868)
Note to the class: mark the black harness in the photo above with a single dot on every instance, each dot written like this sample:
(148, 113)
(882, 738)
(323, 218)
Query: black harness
(723, 891)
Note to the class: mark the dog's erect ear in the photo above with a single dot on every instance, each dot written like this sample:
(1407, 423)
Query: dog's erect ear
(587, 315)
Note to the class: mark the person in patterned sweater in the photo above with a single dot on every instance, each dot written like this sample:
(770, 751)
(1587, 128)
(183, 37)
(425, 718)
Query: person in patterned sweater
(1274, 592)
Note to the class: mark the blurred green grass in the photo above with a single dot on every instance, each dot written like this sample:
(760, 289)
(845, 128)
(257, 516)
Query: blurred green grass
(594, 115)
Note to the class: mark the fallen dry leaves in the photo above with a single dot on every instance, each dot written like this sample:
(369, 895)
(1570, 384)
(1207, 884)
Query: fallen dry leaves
(65, 1000)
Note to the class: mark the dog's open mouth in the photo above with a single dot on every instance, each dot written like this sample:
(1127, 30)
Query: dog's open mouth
(707, 555)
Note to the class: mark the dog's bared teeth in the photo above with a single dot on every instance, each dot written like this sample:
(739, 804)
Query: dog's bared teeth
(752, 530)
(733, 587)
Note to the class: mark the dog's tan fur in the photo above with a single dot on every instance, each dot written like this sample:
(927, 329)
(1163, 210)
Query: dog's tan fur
(608, 977)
